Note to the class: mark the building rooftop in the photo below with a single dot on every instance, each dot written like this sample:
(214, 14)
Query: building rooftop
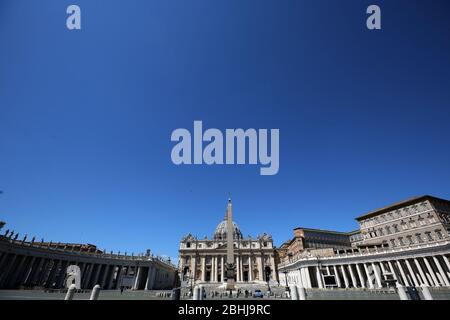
(327, 231)
(400, 204)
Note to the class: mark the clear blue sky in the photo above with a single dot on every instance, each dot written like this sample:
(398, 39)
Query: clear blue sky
(86, 116)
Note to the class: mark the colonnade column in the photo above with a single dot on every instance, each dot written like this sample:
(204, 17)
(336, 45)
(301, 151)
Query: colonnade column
(411, 272)
(319, 277)
(360, 276)
(137, 278)
(368, 276)
(4, 274)
(441, 271)
(447, 263)
(36, 273)
(150, 278)
(105, 274)
(345, 276)
(352, 276)
(422, 274)
(377, 275)
(431, 271)
(336, 275)
(405, 279)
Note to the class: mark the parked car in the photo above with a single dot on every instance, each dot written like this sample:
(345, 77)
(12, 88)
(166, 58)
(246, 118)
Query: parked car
(258, 294)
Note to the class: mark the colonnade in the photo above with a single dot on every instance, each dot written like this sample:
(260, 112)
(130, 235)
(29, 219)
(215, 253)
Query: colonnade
(432, 270)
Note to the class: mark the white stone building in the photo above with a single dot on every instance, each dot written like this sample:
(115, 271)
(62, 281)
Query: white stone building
(406, 243)
(204, 260)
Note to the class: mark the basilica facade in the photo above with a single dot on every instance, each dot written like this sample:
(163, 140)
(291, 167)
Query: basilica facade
(204, 260)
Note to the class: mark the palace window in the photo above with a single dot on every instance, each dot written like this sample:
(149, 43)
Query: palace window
(439, 234)
(393, 242)
(388, 230)
(410, 240)
(419, 238)
(400, 241)
(428, 236)
(188, 244)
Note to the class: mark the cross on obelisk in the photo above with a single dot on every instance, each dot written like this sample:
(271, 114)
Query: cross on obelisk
(230, 247)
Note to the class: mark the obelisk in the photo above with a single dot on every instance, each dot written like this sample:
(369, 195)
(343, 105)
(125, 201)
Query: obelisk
(230, 248)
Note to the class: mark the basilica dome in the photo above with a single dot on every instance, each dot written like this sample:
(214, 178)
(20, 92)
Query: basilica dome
(221, 231)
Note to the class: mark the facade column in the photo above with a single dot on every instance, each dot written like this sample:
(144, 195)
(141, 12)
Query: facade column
(272, 262)
(216, 269)
(242, 268)
(405, 279)
(203, 259)
(238, 269)
(250, 267)
(377, 275)
(336, 275)
(345, 276)
(260, 267)
(216, 277)
(431, 271)
(368, 276)
(213, 269)
(411, 271)
(319, 277)
(193, 268)
(352, 276)
(441, 271)
(360, 276)
(422, 274)
(222, 269)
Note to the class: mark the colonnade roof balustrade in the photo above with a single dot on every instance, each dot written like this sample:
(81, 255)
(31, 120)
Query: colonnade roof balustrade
(69, 249)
